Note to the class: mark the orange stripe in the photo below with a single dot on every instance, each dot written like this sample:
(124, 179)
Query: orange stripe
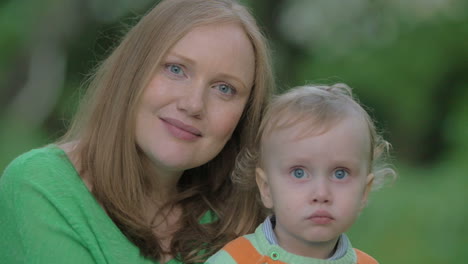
(242, 251)
(363, 258)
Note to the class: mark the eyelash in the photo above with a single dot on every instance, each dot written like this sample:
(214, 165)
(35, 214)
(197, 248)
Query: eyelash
(168, 66)
(346, 174)
(232, 92)
(304, 173)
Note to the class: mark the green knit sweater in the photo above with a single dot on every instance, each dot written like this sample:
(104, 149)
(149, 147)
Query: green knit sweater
(47, 215)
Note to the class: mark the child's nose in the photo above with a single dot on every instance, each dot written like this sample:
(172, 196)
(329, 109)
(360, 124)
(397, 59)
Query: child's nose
(321, 192)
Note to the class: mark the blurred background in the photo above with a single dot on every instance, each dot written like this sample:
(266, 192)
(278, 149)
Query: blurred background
(407, 60)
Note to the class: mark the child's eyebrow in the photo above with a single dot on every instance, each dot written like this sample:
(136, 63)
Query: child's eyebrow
(356, 164)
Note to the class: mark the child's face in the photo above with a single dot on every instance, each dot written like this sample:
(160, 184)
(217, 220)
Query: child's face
(316, 184)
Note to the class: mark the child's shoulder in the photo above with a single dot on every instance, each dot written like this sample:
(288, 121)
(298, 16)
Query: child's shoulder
(237, 251)
(225, 255)
(364, 258)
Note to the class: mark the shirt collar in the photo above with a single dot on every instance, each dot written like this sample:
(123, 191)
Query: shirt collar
(269, 225)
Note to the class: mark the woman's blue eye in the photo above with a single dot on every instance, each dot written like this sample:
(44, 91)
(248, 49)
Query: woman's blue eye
(175, 69)
(225, 89)
(340, 174)
(299, 173)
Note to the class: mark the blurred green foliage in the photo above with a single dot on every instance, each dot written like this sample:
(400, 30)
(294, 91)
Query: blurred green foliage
(420, 219)
(405, 60)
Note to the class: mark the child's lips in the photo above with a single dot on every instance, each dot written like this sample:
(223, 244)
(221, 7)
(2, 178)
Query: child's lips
(321, 217)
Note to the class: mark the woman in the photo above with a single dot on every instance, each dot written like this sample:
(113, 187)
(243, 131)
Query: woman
(143, 174)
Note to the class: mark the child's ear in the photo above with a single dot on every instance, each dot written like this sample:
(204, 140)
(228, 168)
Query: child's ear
(369, 181)
(263, 187)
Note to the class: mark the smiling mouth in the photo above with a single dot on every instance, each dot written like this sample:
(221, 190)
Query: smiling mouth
(180, 130)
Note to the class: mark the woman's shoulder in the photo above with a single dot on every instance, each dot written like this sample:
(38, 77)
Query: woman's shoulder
(42, 165)
(48, 152)
(43, 185)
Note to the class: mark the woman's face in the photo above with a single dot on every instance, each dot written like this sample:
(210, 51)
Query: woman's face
(193, 103)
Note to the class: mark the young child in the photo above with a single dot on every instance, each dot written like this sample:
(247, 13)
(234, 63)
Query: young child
(317, 157)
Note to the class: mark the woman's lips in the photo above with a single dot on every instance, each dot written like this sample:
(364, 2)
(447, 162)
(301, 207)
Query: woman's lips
(321, 217)
(180, 130)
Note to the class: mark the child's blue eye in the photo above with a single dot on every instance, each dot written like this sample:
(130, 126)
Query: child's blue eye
(299, 173)
(175, 69)
(340, 174)
(226, 89)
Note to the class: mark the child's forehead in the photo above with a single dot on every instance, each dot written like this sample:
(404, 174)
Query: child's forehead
(303, 125)
(348, 138)
(300, 124)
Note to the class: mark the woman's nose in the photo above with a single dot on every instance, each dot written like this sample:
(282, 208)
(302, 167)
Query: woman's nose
(192, 101)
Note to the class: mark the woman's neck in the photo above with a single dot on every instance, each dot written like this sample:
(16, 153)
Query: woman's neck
(163, 180)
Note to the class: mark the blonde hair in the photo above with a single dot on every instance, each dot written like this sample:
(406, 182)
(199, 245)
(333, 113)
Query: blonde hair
(321, 107)
(104, 131)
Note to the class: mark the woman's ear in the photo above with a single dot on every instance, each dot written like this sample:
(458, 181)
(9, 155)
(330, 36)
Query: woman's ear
(263, 187)
(369, 181)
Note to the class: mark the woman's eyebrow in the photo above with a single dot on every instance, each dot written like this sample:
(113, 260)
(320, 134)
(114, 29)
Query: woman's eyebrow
(181, 57)
(234, 78)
